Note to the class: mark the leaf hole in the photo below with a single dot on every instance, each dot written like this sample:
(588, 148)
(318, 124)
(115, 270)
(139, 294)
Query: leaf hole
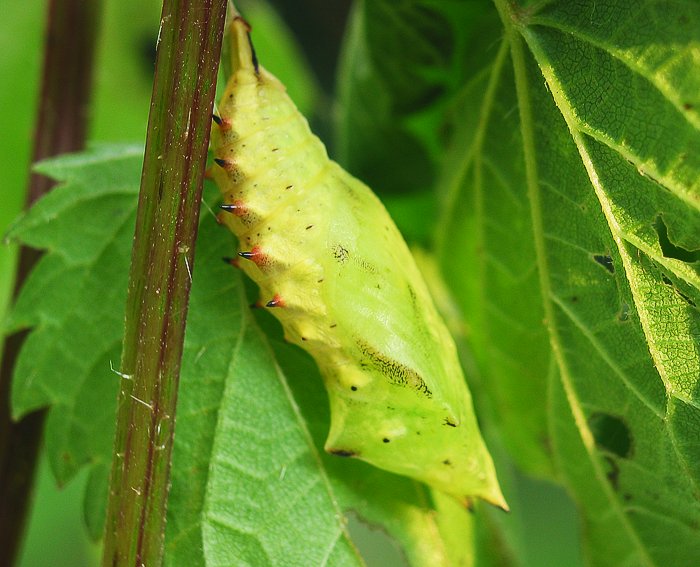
(611, 434)
(613, 472)
(605, 261)
(671, 250)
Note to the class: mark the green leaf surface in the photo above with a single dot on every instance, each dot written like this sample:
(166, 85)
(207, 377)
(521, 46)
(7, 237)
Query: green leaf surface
(247, 482)
(400, 63)
(572, 194)
(248, 479)
(486, 249)
(273, 460)
(402, 508)
(65, 362)
(75, 299)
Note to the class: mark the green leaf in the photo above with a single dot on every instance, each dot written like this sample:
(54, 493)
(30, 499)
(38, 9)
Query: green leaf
(404, 509)
(572, 194)
(65, 362)
(75, 298)
(247, 481)
(486, 248)
(400, 63)
(248, 478)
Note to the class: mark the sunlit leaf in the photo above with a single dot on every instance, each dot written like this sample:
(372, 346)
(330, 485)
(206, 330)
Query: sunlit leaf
(576, 198)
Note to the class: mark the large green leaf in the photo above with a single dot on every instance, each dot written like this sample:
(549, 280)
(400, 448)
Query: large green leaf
(401, 62)
(75, 299)
(572, 195)
(248, 478)
(421, 523)
(486, 247)
(569, 238)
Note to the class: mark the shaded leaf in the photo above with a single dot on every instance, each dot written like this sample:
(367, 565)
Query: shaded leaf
(486, 248)
(277, 47)
(401, 62)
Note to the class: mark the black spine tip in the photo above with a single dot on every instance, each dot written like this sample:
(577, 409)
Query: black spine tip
(217, 119)
(256, 65)
(342, 453)
(246, 255)
(228, 208)
(220, 162)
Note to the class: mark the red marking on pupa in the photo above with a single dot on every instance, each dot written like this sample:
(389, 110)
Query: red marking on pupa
(222, 123)
(255, 255)
(231, 168)
(224, 163)
(237, 208)
(276, 301)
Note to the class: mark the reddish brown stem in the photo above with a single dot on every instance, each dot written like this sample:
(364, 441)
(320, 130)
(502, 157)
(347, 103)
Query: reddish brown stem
(160, 277)
(60, 127)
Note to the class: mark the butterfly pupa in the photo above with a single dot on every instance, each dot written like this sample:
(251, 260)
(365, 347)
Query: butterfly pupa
(334, 269)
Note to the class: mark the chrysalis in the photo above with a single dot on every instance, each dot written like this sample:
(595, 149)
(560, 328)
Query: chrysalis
(334, 269)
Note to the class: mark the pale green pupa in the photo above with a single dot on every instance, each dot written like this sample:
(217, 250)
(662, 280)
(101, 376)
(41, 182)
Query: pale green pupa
(336, 272)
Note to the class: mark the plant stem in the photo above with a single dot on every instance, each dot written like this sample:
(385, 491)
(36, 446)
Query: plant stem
(71, 31)
(160, 277)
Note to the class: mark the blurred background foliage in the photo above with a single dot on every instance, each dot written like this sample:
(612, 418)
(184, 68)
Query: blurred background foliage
(301, 43)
